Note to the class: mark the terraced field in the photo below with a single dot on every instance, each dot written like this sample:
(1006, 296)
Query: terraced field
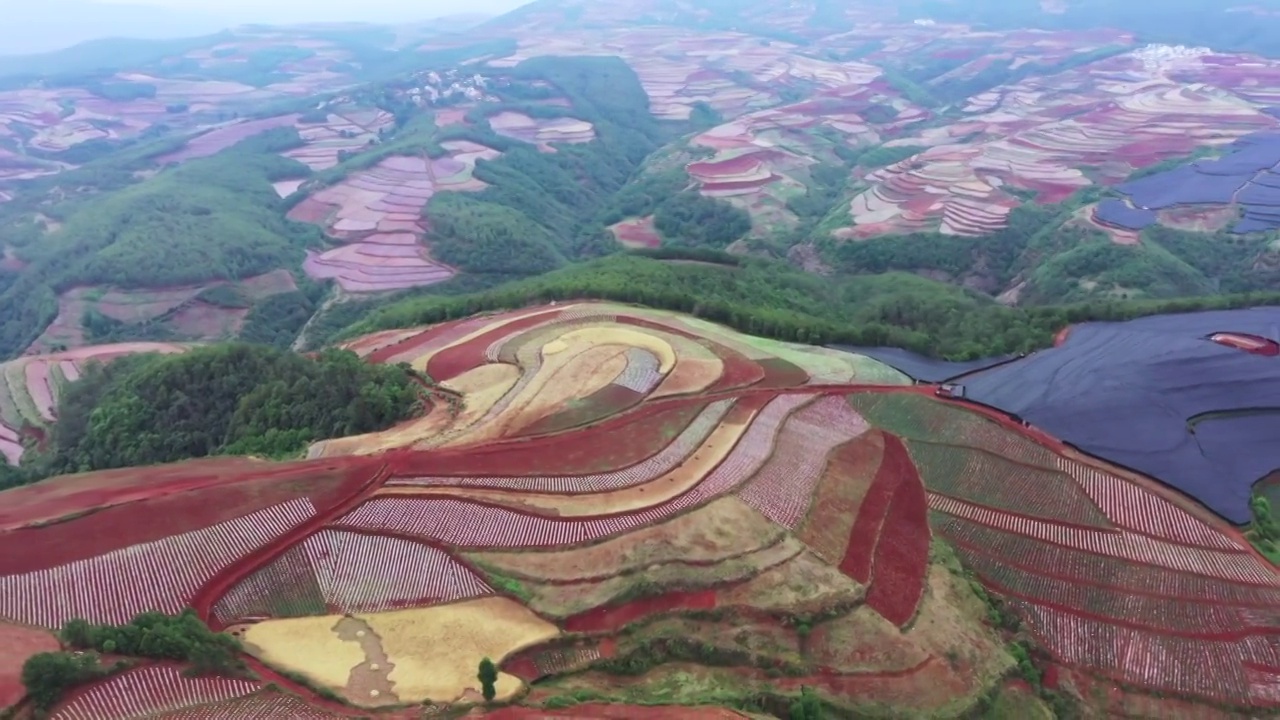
(628, 488)
(1048, 137)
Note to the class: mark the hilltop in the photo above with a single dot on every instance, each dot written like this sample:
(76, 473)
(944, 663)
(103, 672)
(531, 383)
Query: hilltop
(621, 505)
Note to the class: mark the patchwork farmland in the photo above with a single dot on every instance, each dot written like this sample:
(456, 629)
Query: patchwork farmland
(774, 505)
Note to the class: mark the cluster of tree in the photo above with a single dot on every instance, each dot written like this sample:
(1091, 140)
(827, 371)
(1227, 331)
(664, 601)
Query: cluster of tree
(47, 677)
(276, 320)
(773, 299)
(232, 398)
(1265, 531)
(213, 218)
(154, 635)
(691, 219)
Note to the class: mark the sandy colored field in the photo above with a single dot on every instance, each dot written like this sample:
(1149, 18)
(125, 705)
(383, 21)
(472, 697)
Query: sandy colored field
(560, 356)
(436, 650)
(678, 481)
(619, 335)
(16, 645)
(586, 372)
(306, 645)
(432, 425)
(844, 482)
(722, 529)
(566, 599)
(802, 585)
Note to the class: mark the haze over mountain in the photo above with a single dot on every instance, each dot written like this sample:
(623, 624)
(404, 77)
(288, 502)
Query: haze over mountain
(48, 26)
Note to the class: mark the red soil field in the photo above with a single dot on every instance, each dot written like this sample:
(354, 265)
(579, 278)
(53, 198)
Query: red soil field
(616, 712)
(42, 503)
(1248, 343)
(739, 370)
(727, 168)
(895, 467)
(637, 232)
(181, 510)
(18, 644)
(902, 554)
(452, 362)
(611, 618)
(648, 430)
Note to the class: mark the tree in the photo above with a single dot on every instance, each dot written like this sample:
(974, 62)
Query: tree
(488, 675)
(47, 676)
(807, 707)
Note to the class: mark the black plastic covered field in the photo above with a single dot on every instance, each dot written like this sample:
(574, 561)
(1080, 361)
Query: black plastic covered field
(1155, 395)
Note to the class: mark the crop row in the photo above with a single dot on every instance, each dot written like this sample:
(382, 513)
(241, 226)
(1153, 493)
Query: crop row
(1206, 668)
(981, 478)
(1141, 511)
(161, 575)
(783, 488)
(1109, 573)
(1240, 566)
(916, 417)
(457, 522)
(147, 691)
(560, 660)
(641, 373)
(350, 572)
(660, 464)
(1178, 616)
(267, 705)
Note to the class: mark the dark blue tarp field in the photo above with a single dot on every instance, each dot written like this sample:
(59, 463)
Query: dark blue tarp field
(1246, 175)
(924, 369)
(1126, 392)
(1117, 213)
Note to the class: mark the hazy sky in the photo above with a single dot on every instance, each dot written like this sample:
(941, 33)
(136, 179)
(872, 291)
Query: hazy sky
(330, 10)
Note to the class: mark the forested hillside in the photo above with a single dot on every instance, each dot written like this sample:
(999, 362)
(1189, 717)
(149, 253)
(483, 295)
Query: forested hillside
(769, 298)
(235, 399)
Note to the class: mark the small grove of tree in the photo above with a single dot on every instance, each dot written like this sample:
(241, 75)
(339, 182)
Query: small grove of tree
(181, 637)
(488, 676)
(49, 676)
(807, 707)
(1265, 532)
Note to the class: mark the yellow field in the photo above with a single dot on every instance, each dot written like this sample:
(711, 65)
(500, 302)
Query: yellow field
(437, 650)
(678, 481)
(308, 646)
(583, 374)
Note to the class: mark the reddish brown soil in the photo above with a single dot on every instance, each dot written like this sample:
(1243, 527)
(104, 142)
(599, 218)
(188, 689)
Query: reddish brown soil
(201, 320)
(902, 552)
(647, 430)
(453, 361)
(18, 644)
(895, 465)
(616, 617)
(163, 515)
(597, 711)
